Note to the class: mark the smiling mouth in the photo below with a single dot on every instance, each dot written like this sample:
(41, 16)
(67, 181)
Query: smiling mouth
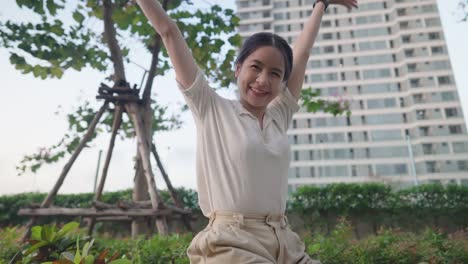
(258, 92)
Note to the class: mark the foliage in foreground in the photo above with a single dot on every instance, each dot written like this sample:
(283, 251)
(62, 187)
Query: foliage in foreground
(389, 246)
(50, 245)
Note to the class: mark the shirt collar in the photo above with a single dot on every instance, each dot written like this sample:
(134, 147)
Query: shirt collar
(240, 110)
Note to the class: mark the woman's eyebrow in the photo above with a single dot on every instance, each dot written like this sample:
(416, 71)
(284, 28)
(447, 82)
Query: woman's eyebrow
(274, 69)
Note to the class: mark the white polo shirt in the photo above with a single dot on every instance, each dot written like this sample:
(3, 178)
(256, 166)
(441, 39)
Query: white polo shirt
(240, 167)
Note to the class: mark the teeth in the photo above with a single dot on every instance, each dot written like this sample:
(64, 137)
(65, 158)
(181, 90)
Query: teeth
(258, 91)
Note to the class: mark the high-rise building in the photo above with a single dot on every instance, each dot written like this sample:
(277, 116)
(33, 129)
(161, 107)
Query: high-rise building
(389, 59)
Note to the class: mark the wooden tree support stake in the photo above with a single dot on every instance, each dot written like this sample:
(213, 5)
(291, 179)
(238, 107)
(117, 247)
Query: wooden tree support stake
(144, 150)
(170, 188)
(89, 134)
(115, 127)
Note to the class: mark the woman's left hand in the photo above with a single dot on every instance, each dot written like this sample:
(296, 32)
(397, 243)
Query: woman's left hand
(347, 3)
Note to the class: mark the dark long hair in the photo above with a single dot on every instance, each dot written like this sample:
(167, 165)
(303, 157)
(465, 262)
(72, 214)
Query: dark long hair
(263, 39)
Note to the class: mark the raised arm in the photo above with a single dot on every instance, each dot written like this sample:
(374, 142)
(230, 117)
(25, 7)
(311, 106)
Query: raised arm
(178, 50)
(305, 42)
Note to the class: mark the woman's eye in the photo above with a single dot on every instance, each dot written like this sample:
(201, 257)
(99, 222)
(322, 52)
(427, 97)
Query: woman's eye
(255, 67)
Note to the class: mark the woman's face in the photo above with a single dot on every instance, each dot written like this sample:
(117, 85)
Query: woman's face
(260, 77)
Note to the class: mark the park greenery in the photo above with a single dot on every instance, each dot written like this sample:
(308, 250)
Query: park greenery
(68, 245)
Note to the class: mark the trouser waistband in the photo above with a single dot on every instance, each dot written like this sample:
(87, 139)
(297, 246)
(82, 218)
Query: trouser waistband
(243, 219)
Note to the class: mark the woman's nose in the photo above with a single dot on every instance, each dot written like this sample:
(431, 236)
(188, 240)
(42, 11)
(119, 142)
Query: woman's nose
(262, 78)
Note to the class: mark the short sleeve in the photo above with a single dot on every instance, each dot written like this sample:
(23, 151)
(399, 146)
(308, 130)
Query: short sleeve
(199, 96)
(283, 107)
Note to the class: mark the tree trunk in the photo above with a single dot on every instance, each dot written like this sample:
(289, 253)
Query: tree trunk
(140, 189)
(140, 193)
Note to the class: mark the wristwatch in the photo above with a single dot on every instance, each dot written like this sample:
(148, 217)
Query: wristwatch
(325, 2)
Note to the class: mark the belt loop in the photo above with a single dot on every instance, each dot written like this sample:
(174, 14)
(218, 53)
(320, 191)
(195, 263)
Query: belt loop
(239, 220)
(268, 219)
(212, 218)
(284, 221)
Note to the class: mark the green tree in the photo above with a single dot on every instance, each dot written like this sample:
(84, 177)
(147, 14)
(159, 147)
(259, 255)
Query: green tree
(60, 38)
(462, 10)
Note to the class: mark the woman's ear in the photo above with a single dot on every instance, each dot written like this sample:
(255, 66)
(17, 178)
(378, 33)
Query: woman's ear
(238, 68)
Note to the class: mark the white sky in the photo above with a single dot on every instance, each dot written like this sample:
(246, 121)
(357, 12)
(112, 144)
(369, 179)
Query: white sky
(27, 107)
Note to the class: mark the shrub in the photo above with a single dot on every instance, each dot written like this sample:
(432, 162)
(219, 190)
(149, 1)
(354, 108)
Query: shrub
(388, 246)
(9, 243)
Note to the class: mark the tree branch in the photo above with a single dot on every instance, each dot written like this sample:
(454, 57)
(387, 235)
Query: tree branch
(152, 71)
(110, 37)
(154, 63)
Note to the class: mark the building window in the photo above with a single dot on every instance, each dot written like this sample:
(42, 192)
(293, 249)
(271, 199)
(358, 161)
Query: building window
(421, 114)
(444, 80)
(326, 23)
(406, 39)
(431, 167)
(414, 83)
(455, 129)
(328, 49)
(434, 36)
(424, 131)
(451, 112)
(463, 165)
(427, 149)
(409, 53)
(448, 96)
(411, 67)
(437, 50)
(401, 12)
(327, 36)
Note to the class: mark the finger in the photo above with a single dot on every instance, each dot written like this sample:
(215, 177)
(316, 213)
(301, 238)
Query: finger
(351, 3)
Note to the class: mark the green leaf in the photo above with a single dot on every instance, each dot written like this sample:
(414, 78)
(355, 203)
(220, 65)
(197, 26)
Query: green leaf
(67, 228)
(89, 260)
(313, 248)
(36, 246)
(235, 40)
(47, 233)
(87, 247)
(78, 17)
(77, 257)
(36, 232)
(57, 72)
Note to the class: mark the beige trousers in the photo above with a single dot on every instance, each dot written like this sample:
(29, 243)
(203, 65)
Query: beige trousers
(247, 239)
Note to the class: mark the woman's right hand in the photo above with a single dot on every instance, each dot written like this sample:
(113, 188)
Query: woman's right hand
(176, 46)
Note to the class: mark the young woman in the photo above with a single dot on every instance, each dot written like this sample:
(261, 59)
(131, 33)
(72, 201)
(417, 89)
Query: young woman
(242, 146)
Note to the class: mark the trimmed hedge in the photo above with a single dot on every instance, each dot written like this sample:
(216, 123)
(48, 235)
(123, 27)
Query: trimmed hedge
(315, 208)
(355, 197)
(10, 204)
(371, 206)
(388, 246)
